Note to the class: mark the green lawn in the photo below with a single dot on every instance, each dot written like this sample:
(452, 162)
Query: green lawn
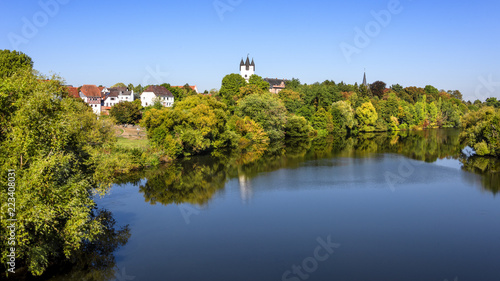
(132, 143)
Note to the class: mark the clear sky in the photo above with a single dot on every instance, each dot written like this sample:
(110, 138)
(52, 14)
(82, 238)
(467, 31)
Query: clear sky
(448, 44)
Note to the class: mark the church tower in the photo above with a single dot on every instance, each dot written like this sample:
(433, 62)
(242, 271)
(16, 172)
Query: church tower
(247, 69)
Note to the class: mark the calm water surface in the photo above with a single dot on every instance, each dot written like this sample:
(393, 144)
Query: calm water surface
(380, 207)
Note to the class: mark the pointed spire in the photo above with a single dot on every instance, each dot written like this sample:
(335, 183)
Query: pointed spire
(247, 63)
(242, 63)
(253, 64)
(364, 79)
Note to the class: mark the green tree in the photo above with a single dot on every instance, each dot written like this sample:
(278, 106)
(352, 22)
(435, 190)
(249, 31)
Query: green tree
(119, 85)
(297, 126)
(432, 92)
(12, 61)
(259, 82)
(414, 93)
(193, 126)
(343, 116)
(56, 146)
(481, 131)
(456, 94)
(138, 89)
(292, 84)
(323, 120)
(126, 112)
(230, 88)
(292, 100)
(493, 102)
(366, 116)
(267, 110)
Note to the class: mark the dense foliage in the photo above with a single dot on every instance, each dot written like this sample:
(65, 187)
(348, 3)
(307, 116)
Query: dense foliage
(56, 150)
(52, 142)
(481, 131)
(297, 111)
(126, 112)
(13, 61)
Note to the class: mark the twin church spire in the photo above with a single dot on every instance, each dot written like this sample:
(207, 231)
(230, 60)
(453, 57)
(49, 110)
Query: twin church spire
(247, 64)
(247, 68)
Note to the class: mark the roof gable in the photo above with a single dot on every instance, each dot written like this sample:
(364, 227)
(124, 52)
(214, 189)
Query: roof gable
(159, 91)
(90, 91)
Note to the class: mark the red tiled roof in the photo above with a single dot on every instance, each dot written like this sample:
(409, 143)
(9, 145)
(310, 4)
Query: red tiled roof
(192, 87)
(90, 91)
(159, 91)
(73, 92)
(101, 88)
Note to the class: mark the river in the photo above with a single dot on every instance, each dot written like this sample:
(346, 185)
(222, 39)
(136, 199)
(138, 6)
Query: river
(407, 206)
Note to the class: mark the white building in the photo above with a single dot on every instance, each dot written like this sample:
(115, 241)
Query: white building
(247, 69)
(157, 93)
(117, 95)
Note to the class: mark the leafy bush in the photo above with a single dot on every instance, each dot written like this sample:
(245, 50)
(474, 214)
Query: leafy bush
(297, 126)
(267, 110)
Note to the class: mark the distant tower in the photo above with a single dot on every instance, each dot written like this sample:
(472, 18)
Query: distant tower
(364, 80)
(247, 69)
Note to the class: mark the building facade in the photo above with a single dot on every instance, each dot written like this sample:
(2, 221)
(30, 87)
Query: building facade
(92, 96)
(157, 93)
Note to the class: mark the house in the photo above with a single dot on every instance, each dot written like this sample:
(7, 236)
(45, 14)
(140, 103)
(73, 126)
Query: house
(117, 95)
(157, 93)
(275, 85)
(194, 88)
(92, 96)
(126, 96)
(111, 98)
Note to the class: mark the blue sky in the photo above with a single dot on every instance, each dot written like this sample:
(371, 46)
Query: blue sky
(447, 44)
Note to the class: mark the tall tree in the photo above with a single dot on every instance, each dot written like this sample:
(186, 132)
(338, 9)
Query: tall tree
(12, 61)
(367, 116)
(259, 82)
(230, 88)
(267, 110)
(54, 145)
(378, 88)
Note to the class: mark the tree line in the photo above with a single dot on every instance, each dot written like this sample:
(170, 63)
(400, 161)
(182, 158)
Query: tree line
(247, 117)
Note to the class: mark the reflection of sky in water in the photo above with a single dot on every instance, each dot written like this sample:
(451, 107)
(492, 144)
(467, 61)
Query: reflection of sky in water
(448, 162)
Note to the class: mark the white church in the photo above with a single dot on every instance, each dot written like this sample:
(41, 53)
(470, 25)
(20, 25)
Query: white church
(247, 69)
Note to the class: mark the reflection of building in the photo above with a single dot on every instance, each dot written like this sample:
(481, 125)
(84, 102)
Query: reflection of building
(246, 191)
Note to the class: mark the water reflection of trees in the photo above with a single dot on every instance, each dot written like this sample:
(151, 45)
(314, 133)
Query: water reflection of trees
(195, 181)
(186, 181)
(487, 167)
(94, 261)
